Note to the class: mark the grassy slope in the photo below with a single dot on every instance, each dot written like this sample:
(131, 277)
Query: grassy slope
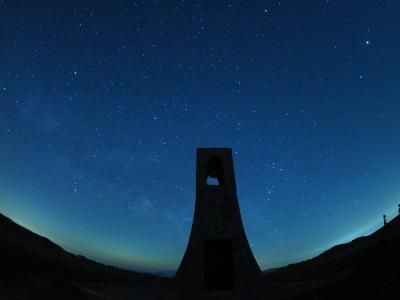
(32, 265)
(372, 262)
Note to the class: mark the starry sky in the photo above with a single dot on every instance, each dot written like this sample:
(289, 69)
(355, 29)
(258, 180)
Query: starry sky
(103, 104)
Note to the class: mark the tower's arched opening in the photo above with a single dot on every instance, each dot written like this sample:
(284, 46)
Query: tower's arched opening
(215, 172)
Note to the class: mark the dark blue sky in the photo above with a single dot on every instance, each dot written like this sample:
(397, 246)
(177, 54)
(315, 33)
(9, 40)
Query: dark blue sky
(103, 104)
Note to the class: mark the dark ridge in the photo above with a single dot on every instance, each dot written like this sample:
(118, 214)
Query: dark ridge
(33, 265)
(368, 264)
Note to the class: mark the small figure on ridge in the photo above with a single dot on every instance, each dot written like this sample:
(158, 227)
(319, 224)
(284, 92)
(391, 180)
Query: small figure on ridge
(384, 220)
(399, 209)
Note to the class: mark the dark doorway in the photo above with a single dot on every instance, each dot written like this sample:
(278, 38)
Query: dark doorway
(218, 265)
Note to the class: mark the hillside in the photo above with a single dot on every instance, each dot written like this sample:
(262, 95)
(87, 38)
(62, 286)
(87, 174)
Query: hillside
(33, 265)
(368, 266)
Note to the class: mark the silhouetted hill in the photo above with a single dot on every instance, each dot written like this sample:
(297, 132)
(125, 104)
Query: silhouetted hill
(368, 266)
(33, 267)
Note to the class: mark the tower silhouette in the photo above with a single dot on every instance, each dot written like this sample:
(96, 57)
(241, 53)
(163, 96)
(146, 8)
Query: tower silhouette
(218, 255)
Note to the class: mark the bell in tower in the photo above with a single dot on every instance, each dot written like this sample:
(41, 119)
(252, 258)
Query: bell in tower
(218, 255)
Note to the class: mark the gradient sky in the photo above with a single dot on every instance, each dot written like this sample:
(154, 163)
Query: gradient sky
(103, 104)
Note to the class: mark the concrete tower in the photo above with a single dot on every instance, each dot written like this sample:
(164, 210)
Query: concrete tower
(218, 256)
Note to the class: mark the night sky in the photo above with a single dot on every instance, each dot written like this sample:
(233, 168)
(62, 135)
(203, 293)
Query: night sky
(103, 104)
